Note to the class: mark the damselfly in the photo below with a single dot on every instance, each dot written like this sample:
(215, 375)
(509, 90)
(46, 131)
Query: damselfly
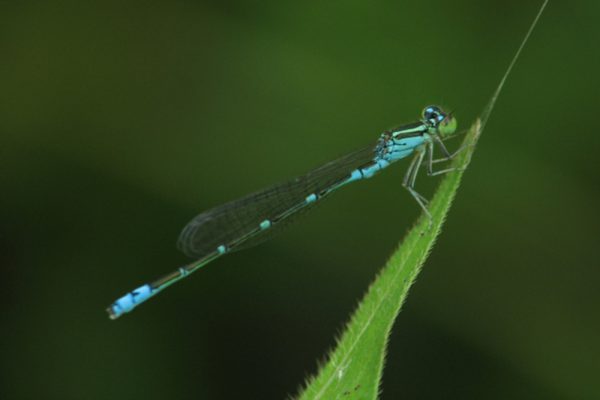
(253, 219)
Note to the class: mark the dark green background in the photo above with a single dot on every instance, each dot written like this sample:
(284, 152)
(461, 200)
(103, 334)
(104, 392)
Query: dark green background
(119, 122)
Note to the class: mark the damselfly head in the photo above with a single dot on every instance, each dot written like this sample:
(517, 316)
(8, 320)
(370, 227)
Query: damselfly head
(442, 122)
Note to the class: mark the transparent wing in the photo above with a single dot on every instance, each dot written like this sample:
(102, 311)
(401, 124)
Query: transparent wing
(236, 224)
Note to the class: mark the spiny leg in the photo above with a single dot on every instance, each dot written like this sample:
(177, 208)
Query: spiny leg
(431, 161)
(409, 183)
(448, 155)
(455, 135)
(411, 174)
(408, 176)
(409, 170)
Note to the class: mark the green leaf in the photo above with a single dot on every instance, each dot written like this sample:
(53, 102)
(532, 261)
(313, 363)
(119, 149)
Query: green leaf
(355, 367)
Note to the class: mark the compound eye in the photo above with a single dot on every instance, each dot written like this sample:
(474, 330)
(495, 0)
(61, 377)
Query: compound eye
(433, 113)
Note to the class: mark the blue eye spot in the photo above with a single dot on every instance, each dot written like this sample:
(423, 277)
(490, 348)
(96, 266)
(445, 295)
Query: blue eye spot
(433, 115)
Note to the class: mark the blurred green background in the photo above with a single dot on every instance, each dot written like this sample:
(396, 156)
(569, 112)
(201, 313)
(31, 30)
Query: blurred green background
(121, 121)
